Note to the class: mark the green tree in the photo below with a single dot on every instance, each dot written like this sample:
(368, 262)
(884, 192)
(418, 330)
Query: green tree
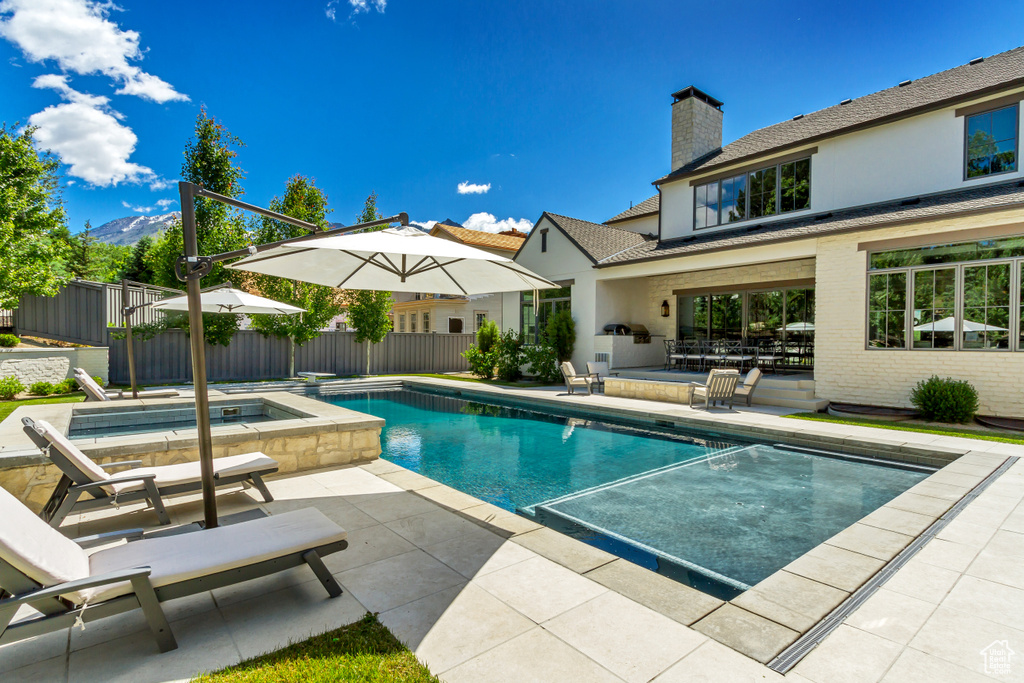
(137, 267)
(561, 334)
(79, 247)
(33, 258)
(368, 311)
(303, 200)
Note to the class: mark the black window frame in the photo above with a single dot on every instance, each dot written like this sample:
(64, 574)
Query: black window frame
(1016, 141)
(746, 175)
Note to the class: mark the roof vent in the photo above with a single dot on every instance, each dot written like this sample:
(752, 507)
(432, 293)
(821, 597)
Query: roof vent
(846, 101)
(823, 216)
(906, 82)
(910, 202)
(798, 117)
(976, 60)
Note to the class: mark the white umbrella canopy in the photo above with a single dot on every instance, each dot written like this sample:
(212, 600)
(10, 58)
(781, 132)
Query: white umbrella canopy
(798, 327)
(229, 300)
(949, 325)
(397, 260)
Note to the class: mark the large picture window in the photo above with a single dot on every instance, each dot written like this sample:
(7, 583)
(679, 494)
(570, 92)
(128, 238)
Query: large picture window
(765, 192)
(972, 301)
(534, 315)
(991, 142)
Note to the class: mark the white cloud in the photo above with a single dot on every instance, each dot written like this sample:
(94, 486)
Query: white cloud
(78, 35)
(158, 183)
(87, 136)
(473, 188)
(488, 223)
(161, 205)
(358, 7)
(426, 225)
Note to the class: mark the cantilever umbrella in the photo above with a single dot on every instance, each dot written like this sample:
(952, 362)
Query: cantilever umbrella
(229, 300)
(949, 325)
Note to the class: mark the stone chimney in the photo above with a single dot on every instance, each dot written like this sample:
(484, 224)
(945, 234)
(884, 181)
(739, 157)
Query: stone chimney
(696, 125)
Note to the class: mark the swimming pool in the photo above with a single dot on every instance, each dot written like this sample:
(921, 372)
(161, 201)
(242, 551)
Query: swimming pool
(714, 512)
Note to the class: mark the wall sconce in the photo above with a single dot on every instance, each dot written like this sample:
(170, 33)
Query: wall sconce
(664, 309)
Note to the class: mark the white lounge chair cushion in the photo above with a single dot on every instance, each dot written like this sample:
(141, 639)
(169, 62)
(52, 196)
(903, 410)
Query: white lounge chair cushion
(35, 549)
(84, 463)
(189, 472)
(90, 386)
(201, 553)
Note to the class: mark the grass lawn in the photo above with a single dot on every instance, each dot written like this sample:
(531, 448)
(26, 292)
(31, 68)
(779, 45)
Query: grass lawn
(916, 426)
(7, 407)
(364, 651)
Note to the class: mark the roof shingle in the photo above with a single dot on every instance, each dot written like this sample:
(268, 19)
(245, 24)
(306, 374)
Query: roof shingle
(595, 240)
(644, 208)
(482, 239)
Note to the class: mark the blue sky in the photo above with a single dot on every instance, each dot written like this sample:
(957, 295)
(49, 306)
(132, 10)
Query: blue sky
(556, 106)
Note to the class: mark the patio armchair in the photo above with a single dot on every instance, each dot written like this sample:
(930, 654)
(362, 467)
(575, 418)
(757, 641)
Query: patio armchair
(746, 388)
(720, 387)
(573, 381)
(42, 569)
(94, 392)
(598, 370)
(84, 485)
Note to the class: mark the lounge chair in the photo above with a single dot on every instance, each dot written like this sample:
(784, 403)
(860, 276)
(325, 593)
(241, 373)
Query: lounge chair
(746, 388)
(42, 569)
(720, 387)
(572, 380)
(83, 476)
(94, 392)
(598, 370)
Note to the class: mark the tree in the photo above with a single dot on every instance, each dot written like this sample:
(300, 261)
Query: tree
(137, 268)
(33, 258)
(561, 334)
(209, 161)
(79, 251)
(368, 311)
(303, 200)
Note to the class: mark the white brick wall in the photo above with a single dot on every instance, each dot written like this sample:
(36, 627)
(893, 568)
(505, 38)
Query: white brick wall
(52, 365)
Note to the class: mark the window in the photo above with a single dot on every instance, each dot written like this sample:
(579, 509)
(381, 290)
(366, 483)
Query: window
(770, 315)
(991, 142)
(534, 318)
(972, 301)
(887, 311)
(479, 319)
(412, 322)
(727, 316)
(766, 192)
(544, 240)
(401, 322)
(455, 325)
(426, 322)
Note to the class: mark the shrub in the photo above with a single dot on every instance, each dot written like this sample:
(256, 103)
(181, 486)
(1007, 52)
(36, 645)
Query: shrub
(10, 387)
(945, 400)
(481, 363)
(42, 389)
(487, 336)
(509, 356)
(561, 334)
(543, 362)
(98, 380)
(9, 341)
(66, 386)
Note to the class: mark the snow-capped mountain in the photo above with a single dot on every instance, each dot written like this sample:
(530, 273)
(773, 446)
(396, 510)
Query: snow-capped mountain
(131, 229)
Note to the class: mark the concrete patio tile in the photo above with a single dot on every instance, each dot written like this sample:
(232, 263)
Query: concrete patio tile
(630, 640)
(959, 637)
(381, 466)
(455, 625)
(334, 507)
(297, 487)
(273, 620)
(534, 657)
(892, 616)
(32, 650)
(352, 481)
(248, 590)
(924, 505)
(836, 567)
(448, 497)
(900, 521)
(501, 522)
(387, 507)
(999, 603)
(431, 527)
(204, 644)
(989, 516)
(871, 541)
(923, 581)
(367, 545)
(947, 554)
(478, 553)
(127, 623)
(913, 666)
(967, 533)
(798, 593)
(394, 581)
(46, 671)
(849, 655)
(713, 662)
(665, 596)
(748, 633)
(409, 481)
(759, 604)
(539, 588)
(928, 487)
(1015, 522)
(564, 550)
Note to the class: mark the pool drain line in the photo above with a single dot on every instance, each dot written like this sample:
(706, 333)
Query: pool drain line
(789, 657)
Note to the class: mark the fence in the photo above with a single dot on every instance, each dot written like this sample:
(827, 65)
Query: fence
(166, 359)
(6, 319)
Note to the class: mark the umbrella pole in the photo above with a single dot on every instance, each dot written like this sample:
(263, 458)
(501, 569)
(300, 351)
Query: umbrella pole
(126, 311)
(192, 270)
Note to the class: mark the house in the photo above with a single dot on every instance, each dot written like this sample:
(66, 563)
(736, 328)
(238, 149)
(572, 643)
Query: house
(876, 242)
(449, 313)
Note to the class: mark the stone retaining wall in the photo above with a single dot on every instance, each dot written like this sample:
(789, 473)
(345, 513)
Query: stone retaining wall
(648, 390)
(32, 365)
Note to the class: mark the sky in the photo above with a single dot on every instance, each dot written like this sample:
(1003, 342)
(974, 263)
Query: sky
(488, 113)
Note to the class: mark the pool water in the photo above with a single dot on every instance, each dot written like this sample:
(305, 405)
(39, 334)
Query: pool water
(714, 512)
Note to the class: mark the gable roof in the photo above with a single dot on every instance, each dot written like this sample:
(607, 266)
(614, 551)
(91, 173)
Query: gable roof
(595, 240)
(981, 199)
(480, 238)
(943, 89)
(647, 207)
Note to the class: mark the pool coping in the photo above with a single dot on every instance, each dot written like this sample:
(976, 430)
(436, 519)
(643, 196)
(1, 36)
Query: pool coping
(765, 620)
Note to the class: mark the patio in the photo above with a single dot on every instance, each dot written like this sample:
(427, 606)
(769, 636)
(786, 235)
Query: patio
(481, 594)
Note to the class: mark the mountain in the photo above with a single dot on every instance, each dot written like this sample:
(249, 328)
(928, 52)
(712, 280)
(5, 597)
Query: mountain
(131, 229)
